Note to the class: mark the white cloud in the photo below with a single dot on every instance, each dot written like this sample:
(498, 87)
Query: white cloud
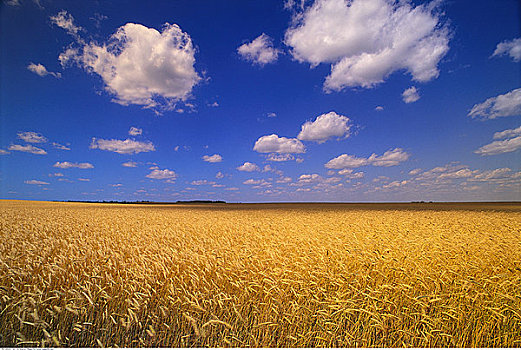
(135, 131)
(507, 133)
(61, 147)
(258, 183)
(271, 115)
(324, 127)
(231, 189)
(506, 105)
(36, 182)
(350, 174)
(41, 70)
(127, 146)
(389, 158)
(307, 178)
(415, 171)
(512, 48)
(410, 95)
(219, 175)
(65, 21)
(367, 40)
(498, 147)
(164, 174)
(129, 164)
(140, 65)
(202, 182)
(28, 149)
(379, 108)
(83, 179)
(3, 151)
(284, 180)
(216, 158)
(273, 157)
(275, 144)
(260, 51)
(67, 165)
(32, 137)
(247, 166)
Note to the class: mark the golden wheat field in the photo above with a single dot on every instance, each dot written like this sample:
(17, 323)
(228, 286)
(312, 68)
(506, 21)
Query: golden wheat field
(273, 275)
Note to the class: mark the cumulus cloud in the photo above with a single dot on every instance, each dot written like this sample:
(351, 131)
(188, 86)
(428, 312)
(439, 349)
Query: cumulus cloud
(129, 164)
(3, 151)
(219, 175)
(260, 51)
(506, 105)
(127, 146)
(257, 183)
(67, 165)
(139, 65)
(216, 158)
(32, 137)
(135, 131)
(367, 40)
(507, 133)
(498, 147)
(41, 70)
(389, 158)
(275, 144)
(511, 48)
(28, 149)
(249, 167)
(164, 174)
(410, 95)
(379, 108)
(36, 182)
(324, 127)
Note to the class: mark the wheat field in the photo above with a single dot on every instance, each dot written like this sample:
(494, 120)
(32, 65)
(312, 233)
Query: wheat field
(273, 275)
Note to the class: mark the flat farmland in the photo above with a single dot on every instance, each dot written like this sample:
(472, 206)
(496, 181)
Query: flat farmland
(260, 275)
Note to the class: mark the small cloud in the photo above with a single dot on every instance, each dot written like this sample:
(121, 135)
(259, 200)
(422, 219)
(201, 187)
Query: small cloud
(260, 51)
(36, 182)
(164, 174)
(28, 149)
(65, 21)
(3, 151)
(68, 165)
(273, 157)
(135, 131)
(249, 167)
(499, 147)
(127, 146)
(275, 144)
(129, 164)
(216, 158)
(83, 179)
(379, 108)
(32, 137)
(506, 105)
(219, 175)
(60, 147)
(324, 127)
(231, 189)
(410, 95)
(271, 115)
(511, 48)
(41, 70)
(56, 175)
(389, 158)
(415, 171)
(214, 104)
(202, 182)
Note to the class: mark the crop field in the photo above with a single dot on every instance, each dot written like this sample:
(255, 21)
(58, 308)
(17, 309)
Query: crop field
(260, 275)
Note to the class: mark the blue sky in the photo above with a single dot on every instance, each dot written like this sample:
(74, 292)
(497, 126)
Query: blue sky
(260, 101)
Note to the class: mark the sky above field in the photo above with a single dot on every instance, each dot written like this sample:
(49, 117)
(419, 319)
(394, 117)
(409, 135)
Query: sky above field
(260, 101)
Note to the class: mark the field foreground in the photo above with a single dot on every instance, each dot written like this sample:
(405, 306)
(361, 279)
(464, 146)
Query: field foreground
(285, 275)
